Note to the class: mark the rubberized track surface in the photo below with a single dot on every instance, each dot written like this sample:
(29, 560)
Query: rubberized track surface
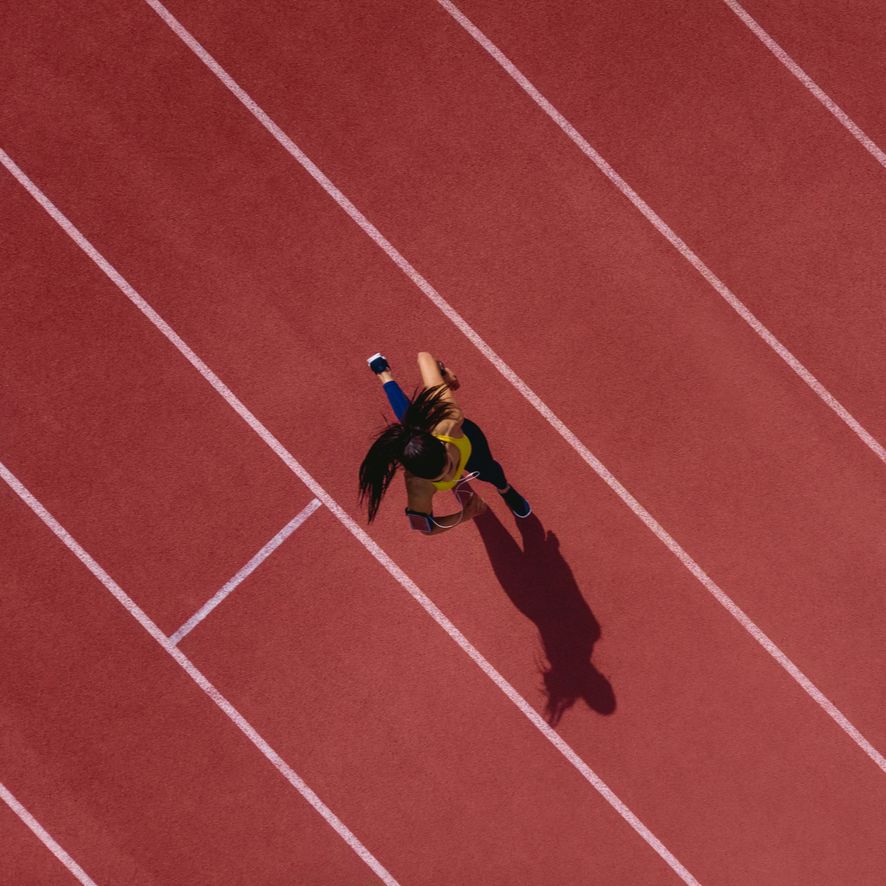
(744, 653)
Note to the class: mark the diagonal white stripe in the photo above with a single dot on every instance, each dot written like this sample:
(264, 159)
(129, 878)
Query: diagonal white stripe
(658, 223)
(244, 573)
(289, 460)
(44, 837)
(197, 676)
(840, 115)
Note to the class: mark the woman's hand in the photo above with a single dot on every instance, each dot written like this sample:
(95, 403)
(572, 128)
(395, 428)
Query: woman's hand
(475, 507)
(449, 376)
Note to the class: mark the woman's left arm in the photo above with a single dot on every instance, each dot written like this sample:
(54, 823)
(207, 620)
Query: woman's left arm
(431, 376)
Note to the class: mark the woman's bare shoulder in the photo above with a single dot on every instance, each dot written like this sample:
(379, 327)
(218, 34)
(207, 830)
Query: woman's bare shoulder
(450, 428)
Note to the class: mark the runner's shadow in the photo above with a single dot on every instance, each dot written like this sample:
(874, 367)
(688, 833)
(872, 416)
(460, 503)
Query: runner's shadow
(541, 585)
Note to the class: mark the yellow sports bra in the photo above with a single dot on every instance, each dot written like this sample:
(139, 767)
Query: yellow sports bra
(464, 447)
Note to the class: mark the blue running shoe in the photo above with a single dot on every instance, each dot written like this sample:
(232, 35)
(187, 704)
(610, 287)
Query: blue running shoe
(516, 502)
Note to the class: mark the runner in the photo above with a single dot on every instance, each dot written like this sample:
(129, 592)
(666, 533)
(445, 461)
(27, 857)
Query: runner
(435, 444)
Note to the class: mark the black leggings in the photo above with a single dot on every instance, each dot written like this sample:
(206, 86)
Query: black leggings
(481, 460)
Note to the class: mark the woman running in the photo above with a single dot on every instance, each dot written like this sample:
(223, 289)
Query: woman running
(435, 444)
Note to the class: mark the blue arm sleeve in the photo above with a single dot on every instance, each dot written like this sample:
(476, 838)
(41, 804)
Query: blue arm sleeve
(398, 400)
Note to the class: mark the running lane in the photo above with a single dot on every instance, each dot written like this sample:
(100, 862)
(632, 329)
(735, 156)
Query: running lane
(710, 743)
(120, 756)
(401, 732)
(395, 728)
(734, 153)
(726, 447)
(841, 46)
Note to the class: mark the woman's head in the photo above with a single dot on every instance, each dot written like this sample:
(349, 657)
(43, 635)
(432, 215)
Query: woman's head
(423, 454)
(409, 443)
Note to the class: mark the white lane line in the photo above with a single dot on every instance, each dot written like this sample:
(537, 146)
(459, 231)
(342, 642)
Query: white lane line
(357, 531)
(246, 571)
(841, 116)
(44, 837)
(658, 223)
(596, 465)
(235, 716)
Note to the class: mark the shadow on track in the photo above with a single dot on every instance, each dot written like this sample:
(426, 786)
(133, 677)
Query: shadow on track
(541, 585)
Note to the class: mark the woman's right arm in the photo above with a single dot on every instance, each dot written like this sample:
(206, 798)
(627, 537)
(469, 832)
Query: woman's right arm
(420, 495)
(475, 506)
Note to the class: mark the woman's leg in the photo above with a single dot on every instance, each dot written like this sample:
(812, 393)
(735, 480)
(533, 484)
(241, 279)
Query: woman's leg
(481, 457)
(491, 471)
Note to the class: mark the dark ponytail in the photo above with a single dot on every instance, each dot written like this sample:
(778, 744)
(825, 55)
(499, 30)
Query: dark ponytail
(408, 443)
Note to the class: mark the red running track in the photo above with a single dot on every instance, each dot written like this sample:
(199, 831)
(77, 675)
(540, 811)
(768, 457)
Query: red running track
(842, 47)
(728, 762)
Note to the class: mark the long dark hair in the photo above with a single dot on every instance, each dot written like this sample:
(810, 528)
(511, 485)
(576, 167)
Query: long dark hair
(408, 443)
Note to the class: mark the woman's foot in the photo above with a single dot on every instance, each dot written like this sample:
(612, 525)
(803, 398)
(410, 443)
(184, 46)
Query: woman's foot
(515, 501)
